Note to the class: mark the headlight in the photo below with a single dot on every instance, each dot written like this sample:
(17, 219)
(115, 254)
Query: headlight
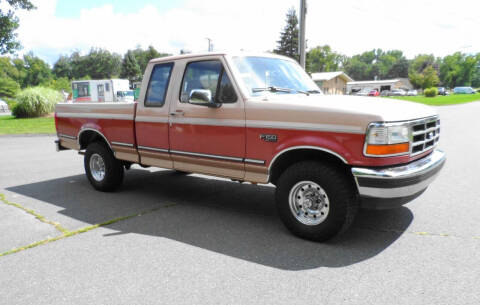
(387, 140)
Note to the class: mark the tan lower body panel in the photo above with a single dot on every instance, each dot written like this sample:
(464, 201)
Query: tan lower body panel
(157, 159)
(222, 168)
(256, 173)
(125, 153)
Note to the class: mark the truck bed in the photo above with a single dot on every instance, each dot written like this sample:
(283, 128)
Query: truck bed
(114, 121)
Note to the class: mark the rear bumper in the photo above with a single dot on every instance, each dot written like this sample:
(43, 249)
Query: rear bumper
(383, 188)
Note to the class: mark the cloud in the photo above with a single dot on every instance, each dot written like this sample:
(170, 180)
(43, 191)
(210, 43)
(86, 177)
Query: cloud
(349, 26)
(230, 26)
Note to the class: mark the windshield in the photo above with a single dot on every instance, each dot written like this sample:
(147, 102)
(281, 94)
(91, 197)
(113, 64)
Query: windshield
(279, 76)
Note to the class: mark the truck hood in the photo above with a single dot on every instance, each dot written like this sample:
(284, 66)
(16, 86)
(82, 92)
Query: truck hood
(352, 113)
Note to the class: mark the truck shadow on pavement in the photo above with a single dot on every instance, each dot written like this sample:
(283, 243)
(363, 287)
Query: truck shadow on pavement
(216, 215)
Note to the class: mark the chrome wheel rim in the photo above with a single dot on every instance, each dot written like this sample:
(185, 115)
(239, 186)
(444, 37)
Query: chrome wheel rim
(97, 167)
(309, 203)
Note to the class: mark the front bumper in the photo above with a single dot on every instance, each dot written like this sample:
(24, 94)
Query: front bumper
(391, 187)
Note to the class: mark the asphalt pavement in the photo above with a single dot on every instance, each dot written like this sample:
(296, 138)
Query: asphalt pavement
(168, 238)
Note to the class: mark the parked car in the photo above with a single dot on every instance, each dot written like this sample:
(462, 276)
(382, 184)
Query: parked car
(363, 92)
(373, 93)
(442, 91)
(398, 92)
(464, 90)
(412, 92)
(213, 114)
(4, 106)
(385, 93)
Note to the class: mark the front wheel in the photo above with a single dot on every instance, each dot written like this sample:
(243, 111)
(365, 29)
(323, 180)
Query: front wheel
(316, 201)
(103, 170)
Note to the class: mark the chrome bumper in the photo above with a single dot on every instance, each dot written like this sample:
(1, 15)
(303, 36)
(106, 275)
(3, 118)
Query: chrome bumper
(393, 186)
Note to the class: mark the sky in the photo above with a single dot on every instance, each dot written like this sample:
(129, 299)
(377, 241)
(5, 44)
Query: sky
(350, 27)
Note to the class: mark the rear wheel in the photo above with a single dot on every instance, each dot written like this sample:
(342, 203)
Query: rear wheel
(316, 201)
(103, 170)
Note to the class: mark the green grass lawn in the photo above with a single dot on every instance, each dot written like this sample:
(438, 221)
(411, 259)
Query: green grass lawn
(451, 99)
(10, 125)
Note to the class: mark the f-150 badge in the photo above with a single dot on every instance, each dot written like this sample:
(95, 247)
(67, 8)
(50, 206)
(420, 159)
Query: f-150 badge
(269, 137)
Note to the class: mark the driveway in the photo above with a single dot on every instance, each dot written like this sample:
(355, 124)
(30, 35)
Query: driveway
(189, 239)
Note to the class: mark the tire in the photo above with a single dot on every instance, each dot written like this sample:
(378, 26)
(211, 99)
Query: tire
(103, 170)
(316, 201)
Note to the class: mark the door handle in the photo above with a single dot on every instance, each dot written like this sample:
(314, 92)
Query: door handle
(177, 113)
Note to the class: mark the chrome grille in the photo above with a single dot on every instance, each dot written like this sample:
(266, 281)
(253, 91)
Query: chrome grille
(425, 135)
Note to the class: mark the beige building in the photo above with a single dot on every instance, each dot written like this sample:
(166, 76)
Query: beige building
(332, 82)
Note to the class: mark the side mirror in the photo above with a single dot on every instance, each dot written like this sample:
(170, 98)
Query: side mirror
(202, 97)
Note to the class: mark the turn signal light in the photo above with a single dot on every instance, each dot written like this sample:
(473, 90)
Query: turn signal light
(391, 149)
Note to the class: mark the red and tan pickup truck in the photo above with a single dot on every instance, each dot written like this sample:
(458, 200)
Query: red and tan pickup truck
(260, 118)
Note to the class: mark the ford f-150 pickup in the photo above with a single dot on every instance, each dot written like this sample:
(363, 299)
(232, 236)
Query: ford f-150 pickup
(260, 118)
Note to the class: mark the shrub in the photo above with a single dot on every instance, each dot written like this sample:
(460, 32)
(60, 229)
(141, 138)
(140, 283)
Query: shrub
(430, 92)
(36, 102)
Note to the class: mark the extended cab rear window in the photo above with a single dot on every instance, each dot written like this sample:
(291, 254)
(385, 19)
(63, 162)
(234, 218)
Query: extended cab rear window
(158, 85)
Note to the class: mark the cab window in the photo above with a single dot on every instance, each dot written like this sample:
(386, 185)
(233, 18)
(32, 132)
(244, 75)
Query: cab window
(158, 85)
(207, 75)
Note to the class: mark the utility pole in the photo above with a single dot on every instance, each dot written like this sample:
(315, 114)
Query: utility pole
(209, 44)
(301, 32)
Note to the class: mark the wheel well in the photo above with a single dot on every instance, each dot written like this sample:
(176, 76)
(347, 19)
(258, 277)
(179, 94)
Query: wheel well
(88, 136)
(290, 157)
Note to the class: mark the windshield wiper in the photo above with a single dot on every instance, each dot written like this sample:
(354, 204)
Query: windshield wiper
(313, 91)
(278, 89)
(272, 89)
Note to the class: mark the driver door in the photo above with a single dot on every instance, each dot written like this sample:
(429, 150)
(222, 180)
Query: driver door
(206, 139)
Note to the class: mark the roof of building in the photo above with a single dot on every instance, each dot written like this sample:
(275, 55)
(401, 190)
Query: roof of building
(325, 76)
(375, 82)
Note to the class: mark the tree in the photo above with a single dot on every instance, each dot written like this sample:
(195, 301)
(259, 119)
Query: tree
(476, 75)
(37, 70)
(323, 59)
(97, 64)
(366, 66)
(130, 68)
(399, 68)
(144, 56)
(288, 43)
(19, 64)
(428, 78)
(100, 63)
(63, 67)
(9, 24)
(423, 71)
(8, 87)
(458, 70)
(8, 69)
(422, 61)
(356, 69)
(392, 64)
